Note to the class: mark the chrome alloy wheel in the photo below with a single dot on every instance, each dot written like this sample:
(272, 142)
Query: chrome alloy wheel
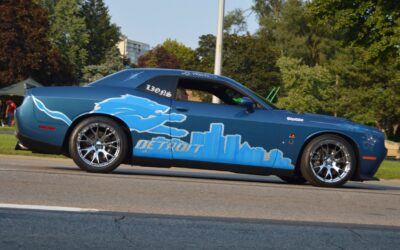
(98, 144)
(330, 161)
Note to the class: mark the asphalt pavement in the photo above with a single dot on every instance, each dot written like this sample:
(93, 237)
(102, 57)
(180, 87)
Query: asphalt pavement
(61, 230)
(180, 208)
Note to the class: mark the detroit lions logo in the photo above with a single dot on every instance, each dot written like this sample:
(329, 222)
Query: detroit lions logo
(142, 115)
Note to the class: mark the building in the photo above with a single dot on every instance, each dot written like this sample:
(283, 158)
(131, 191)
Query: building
(132, 49)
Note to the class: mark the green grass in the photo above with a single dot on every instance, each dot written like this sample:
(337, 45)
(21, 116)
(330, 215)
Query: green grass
(388, 169)
(7, 147)
(6, 128)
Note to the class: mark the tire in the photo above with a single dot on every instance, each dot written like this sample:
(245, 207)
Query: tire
(328, 161)
(98, 144)
(295, 179)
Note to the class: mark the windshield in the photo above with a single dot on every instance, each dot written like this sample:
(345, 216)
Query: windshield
(265, 101)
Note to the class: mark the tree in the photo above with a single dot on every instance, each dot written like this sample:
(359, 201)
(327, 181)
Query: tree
(185, 55)
(69, 35)
(112, 64)
(337, 56)
(24, 46)
(309, 89)
(269, 15)
(235, 22)
(374, 25)
(369, 93)
(368, 62)
(159, 57)
(103, 35)
(247, 59)
(286, 26)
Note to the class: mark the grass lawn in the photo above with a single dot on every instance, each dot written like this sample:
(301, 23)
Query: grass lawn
(388, 169)
(7, 147)
(6, 128)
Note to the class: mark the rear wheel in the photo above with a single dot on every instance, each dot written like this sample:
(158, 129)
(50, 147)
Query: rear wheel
(98, 144)
(328, 161)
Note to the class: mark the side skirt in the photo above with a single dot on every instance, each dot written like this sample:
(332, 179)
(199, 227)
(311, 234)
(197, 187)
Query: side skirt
(151, 162)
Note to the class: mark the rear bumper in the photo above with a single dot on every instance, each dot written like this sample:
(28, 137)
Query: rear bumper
(38, 146)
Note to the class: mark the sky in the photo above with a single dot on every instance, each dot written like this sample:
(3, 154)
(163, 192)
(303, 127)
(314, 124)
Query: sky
(153, 21)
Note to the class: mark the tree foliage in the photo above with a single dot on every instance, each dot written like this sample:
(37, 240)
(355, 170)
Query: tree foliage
(103, 35)
(373, 24)
(235, 22)
(309, 89)
(354, 44)
(368, 63)
(185, 55)
(69, 35)
(246, 58)
(112, 64)
(159, 57)
(286, 25)
(24, 45)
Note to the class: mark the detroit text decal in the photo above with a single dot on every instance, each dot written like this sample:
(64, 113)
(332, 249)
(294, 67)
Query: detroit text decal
(213, 146)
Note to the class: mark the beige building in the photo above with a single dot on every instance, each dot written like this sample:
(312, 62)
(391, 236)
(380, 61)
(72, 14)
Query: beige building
(132, 49)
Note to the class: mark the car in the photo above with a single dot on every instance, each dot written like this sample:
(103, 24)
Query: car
(166, 117)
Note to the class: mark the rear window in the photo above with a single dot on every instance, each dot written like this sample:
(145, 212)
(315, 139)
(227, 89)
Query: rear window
(163, 86)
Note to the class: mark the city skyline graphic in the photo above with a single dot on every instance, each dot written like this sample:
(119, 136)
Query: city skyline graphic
(213, 146)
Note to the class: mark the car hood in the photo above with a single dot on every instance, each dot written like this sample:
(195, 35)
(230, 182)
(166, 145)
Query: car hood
(329, 122)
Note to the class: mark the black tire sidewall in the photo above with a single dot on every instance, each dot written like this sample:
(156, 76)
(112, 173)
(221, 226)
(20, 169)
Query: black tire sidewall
(74, 152)
(309, 174)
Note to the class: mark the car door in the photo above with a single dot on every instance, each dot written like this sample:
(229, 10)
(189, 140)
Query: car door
(151, 131)
(223, 133)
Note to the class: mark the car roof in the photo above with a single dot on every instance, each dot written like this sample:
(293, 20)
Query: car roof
(132, 77)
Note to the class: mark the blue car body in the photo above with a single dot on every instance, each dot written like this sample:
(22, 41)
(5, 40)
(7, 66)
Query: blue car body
(165, 131)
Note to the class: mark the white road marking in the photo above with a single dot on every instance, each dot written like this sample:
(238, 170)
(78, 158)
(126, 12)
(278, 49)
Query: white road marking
(47, 208)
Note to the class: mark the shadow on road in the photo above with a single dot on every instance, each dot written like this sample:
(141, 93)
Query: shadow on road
(227, 176)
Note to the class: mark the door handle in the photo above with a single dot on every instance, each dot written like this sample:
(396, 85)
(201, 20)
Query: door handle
(182, 109)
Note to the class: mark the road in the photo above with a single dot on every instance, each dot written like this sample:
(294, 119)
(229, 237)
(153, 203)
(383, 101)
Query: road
(189, 209)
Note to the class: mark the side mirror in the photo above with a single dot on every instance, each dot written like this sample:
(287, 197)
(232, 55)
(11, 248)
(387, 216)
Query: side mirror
(248, 104)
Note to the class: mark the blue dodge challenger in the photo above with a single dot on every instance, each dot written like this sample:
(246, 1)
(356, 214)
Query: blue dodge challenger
(163, 118)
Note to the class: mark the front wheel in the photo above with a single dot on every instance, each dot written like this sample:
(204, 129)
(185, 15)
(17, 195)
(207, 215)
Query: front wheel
(328, 161)
(98, 144)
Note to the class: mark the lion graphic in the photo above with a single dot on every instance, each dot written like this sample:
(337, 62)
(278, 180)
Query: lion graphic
(142, 115)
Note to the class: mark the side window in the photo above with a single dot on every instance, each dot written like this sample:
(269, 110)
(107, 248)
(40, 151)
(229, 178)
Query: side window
(193, 95)
(162, 86)
(203, 91)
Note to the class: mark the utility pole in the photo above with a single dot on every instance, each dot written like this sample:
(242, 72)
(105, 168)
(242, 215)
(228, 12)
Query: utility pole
(337, 94)
(219, 43)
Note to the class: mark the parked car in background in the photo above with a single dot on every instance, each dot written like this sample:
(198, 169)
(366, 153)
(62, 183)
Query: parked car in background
(167, 118)
(393, 150)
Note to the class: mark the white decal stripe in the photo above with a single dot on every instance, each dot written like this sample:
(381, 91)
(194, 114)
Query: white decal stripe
(53, 114)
